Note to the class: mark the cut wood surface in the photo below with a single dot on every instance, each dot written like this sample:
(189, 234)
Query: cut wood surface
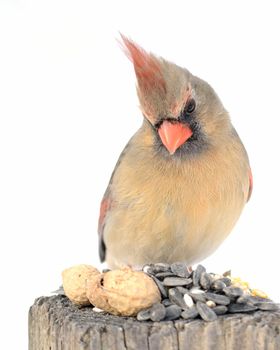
(57, 324)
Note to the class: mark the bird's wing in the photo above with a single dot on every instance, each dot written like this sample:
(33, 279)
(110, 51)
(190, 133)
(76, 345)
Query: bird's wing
(104, 208)
(250, 185)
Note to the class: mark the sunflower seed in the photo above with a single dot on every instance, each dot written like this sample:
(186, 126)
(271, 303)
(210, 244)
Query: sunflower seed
(227, 273)
(215, 276)
(258, 299)
(205, 312)
(176, 281)
(144, 315)
(176, 298)
(268, 306)
(226, 280)
(220, 309)
(188, 300)
(235, 308)
(182, 290)
(162, 275)
(188, 281)
(197, 274)
(218, 285)
(166, 302)
(157, 312)
(180, 269)
(217, 298)
(198, 297)
(151, 269)
(205, 280)
(161, 267)
(252, 300)
(233, 292)
(190, 313)
(160, 287)
(196, 290)
(245, 299)
(189, 293)
(172, 312)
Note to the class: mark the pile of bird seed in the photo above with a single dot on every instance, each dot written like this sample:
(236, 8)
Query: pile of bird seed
(192, 294)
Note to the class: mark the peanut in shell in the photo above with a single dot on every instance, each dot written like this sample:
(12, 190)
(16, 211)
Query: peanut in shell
(74, 280)
(123, 292)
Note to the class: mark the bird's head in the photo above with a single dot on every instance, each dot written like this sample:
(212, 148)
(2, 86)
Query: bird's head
(184, 111)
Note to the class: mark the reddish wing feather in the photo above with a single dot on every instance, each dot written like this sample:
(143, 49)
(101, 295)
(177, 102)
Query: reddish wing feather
(250, 185)
(104, 207)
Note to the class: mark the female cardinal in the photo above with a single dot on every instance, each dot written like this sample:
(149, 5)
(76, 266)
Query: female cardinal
(183, 179)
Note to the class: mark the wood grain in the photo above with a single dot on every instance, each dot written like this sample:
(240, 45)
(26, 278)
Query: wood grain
(56, 324)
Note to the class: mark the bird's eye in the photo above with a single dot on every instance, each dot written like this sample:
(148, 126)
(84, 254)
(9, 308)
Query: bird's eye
(190, 106)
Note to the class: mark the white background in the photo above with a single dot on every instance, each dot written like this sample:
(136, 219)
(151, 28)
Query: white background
(68, 106)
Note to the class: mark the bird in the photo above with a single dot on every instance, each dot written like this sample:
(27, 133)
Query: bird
(183, 179)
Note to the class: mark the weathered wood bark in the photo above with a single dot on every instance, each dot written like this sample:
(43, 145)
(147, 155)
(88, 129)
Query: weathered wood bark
(56, 324)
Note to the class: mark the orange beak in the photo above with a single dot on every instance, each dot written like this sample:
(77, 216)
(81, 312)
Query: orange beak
(173, 135)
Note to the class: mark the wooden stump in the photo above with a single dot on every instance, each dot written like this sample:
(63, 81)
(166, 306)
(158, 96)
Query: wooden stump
(56, 324)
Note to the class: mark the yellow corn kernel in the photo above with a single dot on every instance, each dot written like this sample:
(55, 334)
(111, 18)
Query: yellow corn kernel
(258, 293)
(237, 281)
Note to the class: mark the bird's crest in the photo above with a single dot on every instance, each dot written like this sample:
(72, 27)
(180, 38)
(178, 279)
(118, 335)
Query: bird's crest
(147, 67)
